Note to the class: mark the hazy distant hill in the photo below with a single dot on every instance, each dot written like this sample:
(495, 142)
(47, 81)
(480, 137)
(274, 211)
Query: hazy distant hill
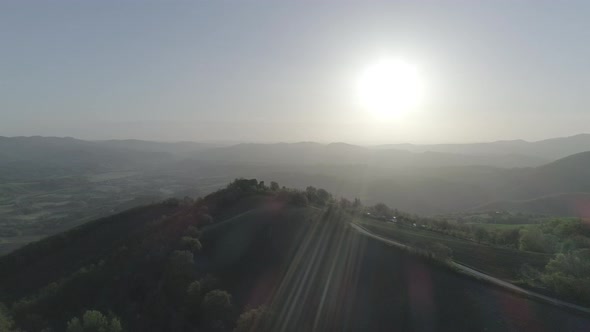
(180, 149)
(549, 149)
(72, 153)
(570, 174)
(450, 189)
(568, 204)
(422, 182)
(62, 150)
(309, 153)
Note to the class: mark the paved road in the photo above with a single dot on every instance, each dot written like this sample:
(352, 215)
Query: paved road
(470, 271)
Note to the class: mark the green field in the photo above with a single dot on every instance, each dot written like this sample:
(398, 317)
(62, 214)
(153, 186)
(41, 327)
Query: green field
(490, 226)
(500, 262)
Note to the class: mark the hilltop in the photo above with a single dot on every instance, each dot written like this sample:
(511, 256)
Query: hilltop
(278, 258)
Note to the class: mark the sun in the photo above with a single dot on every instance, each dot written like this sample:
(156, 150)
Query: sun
(390, 87)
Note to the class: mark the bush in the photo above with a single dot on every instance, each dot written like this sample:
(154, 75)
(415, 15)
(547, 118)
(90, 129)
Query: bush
(274, 186)
(6, 322)
(94, 321)
(569, 275)
(192, 231)
(193, 301)
(216, 308)
(191, 244)
(258, 319)
(532, 239)
(299, 199)
(440, 252)
(216, 300)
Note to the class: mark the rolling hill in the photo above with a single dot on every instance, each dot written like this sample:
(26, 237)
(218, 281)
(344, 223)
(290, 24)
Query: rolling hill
(549, 149)
(564, 184)
(310, 153)
(300, 265)
(51, 184)
(568, 204)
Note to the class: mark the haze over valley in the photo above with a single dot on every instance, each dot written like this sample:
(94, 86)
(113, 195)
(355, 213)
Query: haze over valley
(51, 184)
(262, 166)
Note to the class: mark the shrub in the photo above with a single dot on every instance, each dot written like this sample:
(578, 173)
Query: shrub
(569, 275)
(440, 252)
(94, 321)
(533, 239)
(6, 322)
(258, 319)
(216, 308)
(191, 244)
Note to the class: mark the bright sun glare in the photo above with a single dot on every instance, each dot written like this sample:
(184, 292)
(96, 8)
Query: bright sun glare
(390, 87)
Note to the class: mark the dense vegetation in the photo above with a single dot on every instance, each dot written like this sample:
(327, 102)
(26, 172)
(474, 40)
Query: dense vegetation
(152, 266)
(567, 240)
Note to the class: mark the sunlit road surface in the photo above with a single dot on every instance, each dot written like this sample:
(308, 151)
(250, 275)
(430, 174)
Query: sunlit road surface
(481, 275)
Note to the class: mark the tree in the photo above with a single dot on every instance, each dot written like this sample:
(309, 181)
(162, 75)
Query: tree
(274, 186)
(481, 235)
(532, 239)
(216, 300)
(191, 244)
(193, 292)
(299, 199)
(208, 283)
(245, 185)
(205, 219)
(382, 210)
(172, 202)
(323, 196)
(258, 319)
(216, 308)
(569, 275)
(94, 321)
(193, 301)
(356, 204)
(508, 237)
(179, 273)
(192, 231)
(312, 194)
(6, 322)
(345, 204)
(441, 252)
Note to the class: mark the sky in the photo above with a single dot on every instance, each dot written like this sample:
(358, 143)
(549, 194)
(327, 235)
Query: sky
(288, 71)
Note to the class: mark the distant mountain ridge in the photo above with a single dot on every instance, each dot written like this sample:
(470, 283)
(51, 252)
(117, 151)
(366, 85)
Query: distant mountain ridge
(551, 149)
(424, 182)
(308, 153)
(507, 154)
(59, 150)
(565, 204)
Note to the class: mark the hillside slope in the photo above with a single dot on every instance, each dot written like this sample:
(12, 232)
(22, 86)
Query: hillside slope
(264, 247)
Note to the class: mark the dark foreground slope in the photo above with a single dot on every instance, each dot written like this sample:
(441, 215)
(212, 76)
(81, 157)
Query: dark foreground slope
(340, 280)
(264, 247)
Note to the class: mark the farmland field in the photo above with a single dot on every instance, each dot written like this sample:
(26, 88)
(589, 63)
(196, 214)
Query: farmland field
(30, 210)
(500, 262)
(490, 226)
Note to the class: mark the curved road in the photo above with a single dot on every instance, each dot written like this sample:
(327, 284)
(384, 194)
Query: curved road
(480, 275)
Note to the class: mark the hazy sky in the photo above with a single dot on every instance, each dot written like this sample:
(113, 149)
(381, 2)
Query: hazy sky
(279, 71)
